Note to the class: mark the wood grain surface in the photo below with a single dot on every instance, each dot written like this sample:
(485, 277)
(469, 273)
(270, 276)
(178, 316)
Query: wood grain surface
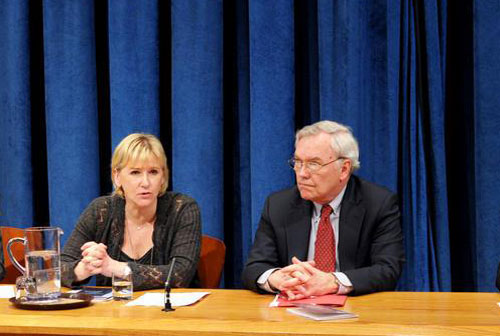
(241, 312)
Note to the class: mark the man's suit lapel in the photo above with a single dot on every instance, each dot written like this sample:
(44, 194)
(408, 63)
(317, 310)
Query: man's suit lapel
(298, 228)
(352, 214)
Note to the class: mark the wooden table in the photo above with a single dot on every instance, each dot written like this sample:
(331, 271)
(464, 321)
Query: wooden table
(240, 312)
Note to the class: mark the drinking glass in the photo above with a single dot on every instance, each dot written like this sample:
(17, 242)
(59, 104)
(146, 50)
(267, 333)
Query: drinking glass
(122, 285)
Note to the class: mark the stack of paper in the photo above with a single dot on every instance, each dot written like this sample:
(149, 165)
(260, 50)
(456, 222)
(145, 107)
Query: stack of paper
(330, 299)
(320, 313)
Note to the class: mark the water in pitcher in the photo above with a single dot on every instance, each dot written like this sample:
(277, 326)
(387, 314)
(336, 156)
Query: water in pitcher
(44, 267)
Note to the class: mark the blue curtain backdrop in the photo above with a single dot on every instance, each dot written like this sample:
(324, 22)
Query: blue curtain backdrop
(225, 85)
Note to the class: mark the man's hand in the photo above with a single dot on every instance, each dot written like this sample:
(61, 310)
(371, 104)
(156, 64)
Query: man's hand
(285, 279)
(302, 280)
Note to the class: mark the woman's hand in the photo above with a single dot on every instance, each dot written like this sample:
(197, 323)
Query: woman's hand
(96, 258)
(97, 261)
(85, 267)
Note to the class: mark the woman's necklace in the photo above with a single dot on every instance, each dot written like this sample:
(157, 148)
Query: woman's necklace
(133, 249)
(131, 245)
(141, 226)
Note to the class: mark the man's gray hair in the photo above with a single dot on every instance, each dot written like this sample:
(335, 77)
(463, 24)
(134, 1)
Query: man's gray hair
(343, 142)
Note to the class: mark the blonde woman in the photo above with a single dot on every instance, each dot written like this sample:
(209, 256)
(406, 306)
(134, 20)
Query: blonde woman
(139, 228)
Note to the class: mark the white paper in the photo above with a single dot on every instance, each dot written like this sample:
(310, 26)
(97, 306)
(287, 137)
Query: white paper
(177, 299)
(274, 303)
(7, 291)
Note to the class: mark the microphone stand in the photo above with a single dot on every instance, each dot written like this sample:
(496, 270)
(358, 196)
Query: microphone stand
(168, 304)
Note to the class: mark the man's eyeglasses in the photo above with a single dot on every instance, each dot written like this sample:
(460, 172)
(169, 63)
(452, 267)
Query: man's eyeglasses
(311, 166)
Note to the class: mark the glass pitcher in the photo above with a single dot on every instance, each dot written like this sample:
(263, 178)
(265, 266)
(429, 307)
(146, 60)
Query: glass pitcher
(42, 254)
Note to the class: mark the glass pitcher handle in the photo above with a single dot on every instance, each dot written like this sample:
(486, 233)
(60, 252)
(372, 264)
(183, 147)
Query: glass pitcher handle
(11, 256)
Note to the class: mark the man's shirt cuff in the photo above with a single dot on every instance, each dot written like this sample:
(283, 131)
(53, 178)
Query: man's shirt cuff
(262, 280)
(345, 285)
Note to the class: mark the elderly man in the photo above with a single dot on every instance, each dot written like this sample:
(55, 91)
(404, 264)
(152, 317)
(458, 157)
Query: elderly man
(332, 233)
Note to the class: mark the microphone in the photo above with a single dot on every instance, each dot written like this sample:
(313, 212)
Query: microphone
(168, 304)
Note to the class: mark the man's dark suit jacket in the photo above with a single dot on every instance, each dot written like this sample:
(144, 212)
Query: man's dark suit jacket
(370, 242)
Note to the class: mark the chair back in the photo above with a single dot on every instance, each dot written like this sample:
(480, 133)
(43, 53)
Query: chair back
(212, 256)
(11, 272)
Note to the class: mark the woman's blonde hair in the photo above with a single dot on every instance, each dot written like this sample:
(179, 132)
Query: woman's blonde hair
(138, 147)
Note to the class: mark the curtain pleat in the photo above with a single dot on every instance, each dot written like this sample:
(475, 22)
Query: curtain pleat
(271, 99)
(432, 77)
(413, 173)
(16, 195)
(197, 120)
(71, 110)
(486, 142)
(240, 222)
(423, 192)
(133, 68)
